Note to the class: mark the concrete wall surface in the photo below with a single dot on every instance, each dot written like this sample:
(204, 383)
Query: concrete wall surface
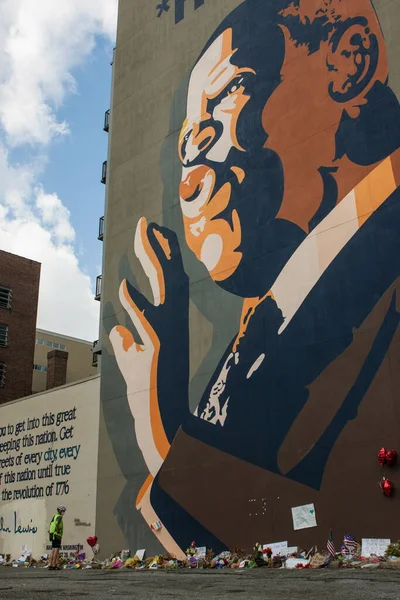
(48, 457)
(250, 288)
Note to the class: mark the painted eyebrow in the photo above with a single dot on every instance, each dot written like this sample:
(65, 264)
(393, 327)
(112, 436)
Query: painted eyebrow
(219, 75)
(221, 60)
(235, 75)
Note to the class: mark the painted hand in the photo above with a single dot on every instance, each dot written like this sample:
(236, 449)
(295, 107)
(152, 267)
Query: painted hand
(154, 360)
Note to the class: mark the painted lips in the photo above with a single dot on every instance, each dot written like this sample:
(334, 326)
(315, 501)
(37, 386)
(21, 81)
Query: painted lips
(196, 190)
(191, 187)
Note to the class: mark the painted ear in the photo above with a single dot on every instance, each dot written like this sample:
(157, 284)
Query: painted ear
(352, 60)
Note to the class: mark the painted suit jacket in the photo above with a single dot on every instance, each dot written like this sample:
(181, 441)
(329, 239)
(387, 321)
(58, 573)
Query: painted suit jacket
(307, 424)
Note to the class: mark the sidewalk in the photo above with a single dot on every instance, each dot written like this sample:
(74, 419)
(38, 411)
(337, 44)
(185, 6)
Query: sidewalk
(257, 584)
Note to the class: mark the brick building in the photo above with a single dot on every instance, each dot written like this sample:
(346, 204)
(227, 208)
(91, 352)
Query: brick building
(19, 291)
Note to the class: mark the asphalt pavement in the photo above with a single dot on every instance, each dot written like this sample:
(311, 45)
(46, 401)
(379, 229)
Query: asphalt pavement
(257, 584)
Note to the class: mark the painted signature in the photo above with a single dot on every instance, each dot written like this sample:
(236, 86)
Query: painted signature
(17, 528)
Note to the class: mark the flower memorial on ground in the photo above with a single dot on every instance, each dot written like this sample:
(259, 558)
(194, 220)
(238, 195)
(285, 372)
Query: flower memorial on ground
(350, 557)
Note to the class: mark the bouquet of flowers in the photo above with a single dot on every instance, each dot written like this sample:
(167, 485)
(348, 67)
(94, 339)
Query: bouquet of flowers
(192, 550)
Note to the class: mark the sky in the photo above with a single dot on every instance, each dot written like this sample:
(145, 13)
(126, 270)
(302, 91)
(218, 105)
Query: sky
(55, 79)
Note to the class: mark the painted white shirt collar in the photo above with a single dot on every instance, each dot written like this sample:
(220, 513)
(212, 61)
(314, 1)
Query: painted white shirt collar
(314, 255)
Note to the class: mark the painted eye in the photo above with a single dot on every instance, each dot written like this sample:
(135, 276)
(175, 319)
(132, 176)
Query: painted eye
(234, 86)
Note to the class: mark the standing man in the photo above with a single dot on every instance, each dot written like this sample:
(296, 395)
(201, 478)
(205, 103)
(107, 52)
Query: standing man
(56, 533)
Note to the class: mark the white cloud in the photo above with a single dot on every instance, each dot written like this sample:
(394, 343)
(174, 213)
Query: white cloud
(37, 225)
(41, 41)
(55, 216)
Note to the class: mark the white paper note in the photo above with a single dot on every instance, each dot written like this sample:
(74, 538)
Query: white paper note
(291, 563)
(304, 517)
(374, 546)
(277, 548)
(140, 554)
(201, 552)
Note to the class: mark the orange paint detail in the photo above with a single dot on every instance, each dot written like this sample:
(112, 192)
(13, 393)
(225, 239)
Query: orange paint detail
(240, 174)
(144, 489)
(248, 309)
(241, 100)
(203, 137)
(194, 181)
(127, 337)
(164, 243)
(374, 189)
(230, 258)
(160, 439)
(396, 166)
(154, 260)
(219, 75)
(219, 202)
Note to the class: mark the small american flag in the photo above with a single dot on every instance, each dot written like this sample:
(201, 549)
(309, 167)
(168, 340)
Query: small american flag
(350, 542)
(330, 545)
(344, 551)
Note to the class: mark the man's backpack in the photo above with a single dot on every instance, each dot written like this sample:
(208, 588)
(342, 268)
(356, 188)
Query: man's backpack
(51, 535)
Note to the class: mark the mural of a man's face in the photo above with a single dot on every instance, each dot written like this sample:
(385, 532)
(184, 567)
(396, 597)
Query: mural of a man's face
(218, 93)
(225, 169)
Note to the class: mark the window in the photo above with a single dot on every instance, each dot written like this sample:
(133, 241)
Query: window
(104, 172)
(98, 287)
(5, 297)
(106, 126)
(3, 335)
(101, 229)
(2, 374)
(40, 368)
(96, 349)
(54, 345)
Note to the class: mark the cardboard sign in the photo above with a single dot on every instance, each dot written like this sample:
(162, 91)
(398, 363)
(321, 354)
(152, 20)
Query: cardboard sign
(278, 548)
(371, 546)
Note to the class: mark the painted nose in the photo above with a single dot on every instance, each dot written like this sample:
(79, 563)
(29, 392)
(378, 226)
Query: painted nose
(197, 142)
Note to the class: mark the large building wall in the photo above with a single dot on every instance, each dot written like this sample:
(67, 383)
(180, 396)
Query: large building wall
(48, 457)
(257, 369)
(21, 276)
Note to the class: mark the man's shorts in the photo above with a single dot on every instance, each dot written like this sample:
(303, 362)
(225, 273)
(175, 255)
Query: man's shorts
(56, 543)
